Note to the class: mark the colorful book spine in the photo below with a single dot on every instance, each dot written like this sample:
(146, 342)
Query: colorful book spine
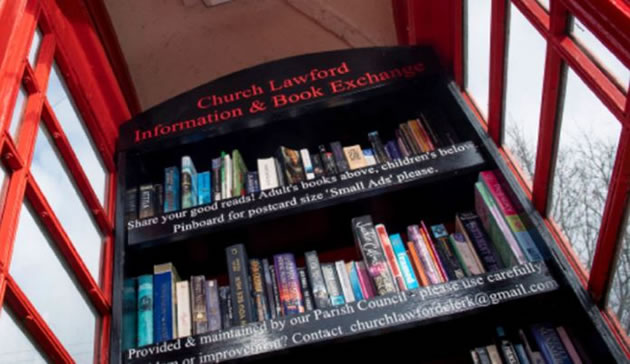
(372, 253)
(216, 178)
(395, 153)
(386, 246)
(550, 344)
(403, 262)
(147, 201)
(145, 310)
(431, 247)
(172, 197)
(416, 263)
(344, 281)
(367, 289)
(189, 183)
(130, 314)
(318, 285)
(406, 134)
(291, 165)
(430, 267)
(402, 147)
(271, 302)
(467, 258)
(511, 216)
(213, 305)
(521, 353)
(368, 155)
(377, 147)
(340, 160)
(164, 301)
(332, 284)
(131, 204)
(204, 189)
(276, 291)
(353, 275)
(493, 354)
(470, 225)
(288, 284)
(307, 164)
(306, 290)
(318, 165)
(354, 157)
(239, 171)
(258, 289)
(225, 302)
(184, 327)
(242, 304)
(568, 345)
(328, 161)
(198, 305)
(446, 254)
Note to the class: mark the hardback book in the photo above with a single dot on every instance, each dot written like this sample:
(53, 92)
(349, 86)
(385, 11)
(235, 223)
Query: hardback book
(471, 227)
(483, 356)
(392, 261)
(252, 186)
(493, 354)
(172, 197)
(402, 147)
(291, 165)
(368, 155)
(466, 257)
(568, 345)
(309, 173)
(198, 308)
(258, 289)
(532, 351)
(447, 255)
(424, 231)
(426, 132)
(184, 327)
(267, 173)
(332, 284)
(344, 281)
(240, 289)
(271, 302)
(354, 157)
(130, 313)
(145, 310)
(510, 215)
(282, 179)
(213, 305)
(204, 189)
(404, 262)
(340, 159)
(225, 303)
(353, 275)
(131, 204)
(189, 183)
(239, 171)
(147, 201)
(318, 285)
(416, 134)
(430, 267)
(288, 284)
(216, 178)
(306, 290)
(372, 253)
(229, 176)
(500, 234)
(158, 195)
(276, 291)
(411, 141)
(417, 265)
(550, 344)
(164, 302)
(377, 147)
(318, 165)
(367, 288)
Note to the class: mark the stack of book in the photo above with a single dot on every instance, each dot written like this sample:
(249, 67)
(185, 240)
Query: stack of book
(184, 187)
(538, 344)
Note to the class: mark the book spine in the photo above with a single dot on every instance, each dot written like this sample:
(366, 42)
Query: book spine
(464, 255)
(158, 195)
(434, 255)
(189, 183)
(568, 345)
(183, 309)
(145, 310)
(198, 304)
(225, 302)
(429, 265)
(550, 344)
(493, 354)
(229, 176)
(377, 146)
(281, 178)
(340, 160)
(432, 136)
(271, 302)
(522, 354)
(306, 290)
(267, 174)
(400, 142)
(353, 275)
(131, 204)
(163, 305)
(509, 353)
(216, 178)
(393, 147)
(406, 134)
(441, 236)
(472, 228)
(368, 243)
(147, 201)
(534, 355)
(424, 135)
(392, 261)
(344, 281)
(415, 134)
(213, 306)
(239, 285)
(258, 289)
(318, 286)
(204, 191)
(288, 284)
(172, 198)
(318, 165)
(418, 268)
(276, 291)
(307, 164)
(239, 171)
(332, 284)
(328, 161)
(250, 185)
(511, 216)
(482, 353)
(130, 314)
(368, 155)
(403, 262)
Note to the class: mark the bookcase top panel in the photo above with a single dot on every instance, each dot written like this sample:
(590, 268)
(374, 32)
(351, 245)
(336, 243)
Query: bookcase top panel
(278, 90)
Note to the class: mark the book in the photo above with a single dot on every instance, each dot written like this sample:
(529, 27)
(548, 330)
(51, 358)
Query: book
(483, 356)
(372, 253)
(291, 164)
(267, 175)
(216, 178)
(204, 189)
(532, 352)
(521, 353)
(309, 173)
(447, 255)
(164, 302)
(184, 327)
(291, 298)
(405, 132)
(471, 227)
(401, 144)
(403, 262)
(240, 289)
(550, 344)
(145, 310)
(367, 289)
(429, 265)
(147, 201)
(258, 289)
(306, 290)
(344, 281)
(332, 284)
(198, 308)
(239, 171)
(354, 157)
(353, 275)
(475, 357)
(279, 173)
(189, 183)
(432, 251)
(131, 204)
(229, 176)
(251, 185)
(493, 354)
(368, 155)
(213, 306)
(271, 302)
(392, 148)
(158, 195)
(417, 136)
(568, 345)
(318, 286)
(506, 347)
(276, 291)
(172, 197)
(416, 263)
(340, 159)
(377, 147)
(392, 261)
(466, 257)
(432, 136)
(130, 313)
(318, 165)
(225, 304)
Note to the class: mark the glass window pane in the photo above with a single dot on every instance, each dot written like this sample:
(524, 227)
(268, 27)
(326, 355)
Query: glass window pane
(589, 134)
(600, 54)
(34, 50)
(619, 295)
(544, 3)
(56, 184)
(4, 181)
(73, 126)
(39, 271)
(16, 346)
(477, 51)
(18, 112)
(523, 93)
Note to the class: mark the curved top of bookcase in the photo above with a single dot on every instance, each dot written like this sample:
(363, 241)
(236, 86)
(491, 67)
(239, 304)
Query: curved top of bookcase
(277, 90)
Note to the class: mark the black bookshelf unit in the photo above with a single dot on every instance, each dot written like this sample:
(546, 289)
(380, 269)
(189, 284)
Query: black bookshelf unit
(342, 96)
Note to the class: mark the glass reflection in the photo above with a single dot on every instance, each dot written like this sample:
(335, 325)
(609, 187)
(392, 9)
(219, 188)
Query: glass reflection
(16, 346)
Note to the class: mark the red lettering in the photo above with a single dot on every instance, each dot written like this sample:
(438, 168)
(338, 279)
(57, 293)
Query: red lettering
(279, 100)
(336, 86)
(204, 102)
